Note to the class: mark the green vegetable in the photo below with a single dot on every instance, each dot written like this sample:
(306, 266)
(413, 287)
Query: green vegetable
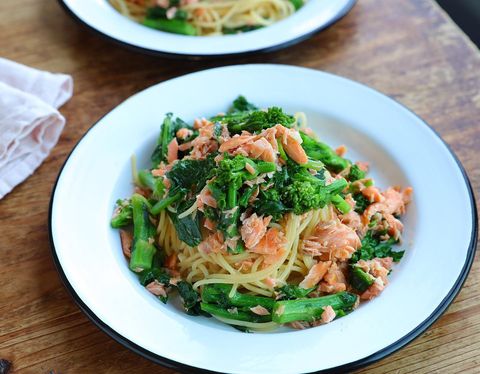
(219, 194)
(241, 104)
(247, 194)
(122, 215)
(210, 213)
(311, 309)
(181, 14)
(188, 228)
(148, 276)
(360, 280)
(254, 121)
(320, 151)
(156, 12)
(373, 247)
(226, 187)
(303, 196)
(164, 203)
(314, 164)
(237, 30)
(297, 4)
(292, 292)
(234, 313)
(144, 232)
(276, 209)
(281, 151)
(355, 173)
(269, 202)
(361, 202)
(190, 175)
(155, 184)
(167, 133)
(175, 26)
(341, 204)
(190, 298)
(220, 294)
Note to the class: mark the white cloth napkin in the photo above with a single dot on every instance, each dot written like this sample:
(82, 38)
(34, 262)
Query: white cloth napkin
(30, 124)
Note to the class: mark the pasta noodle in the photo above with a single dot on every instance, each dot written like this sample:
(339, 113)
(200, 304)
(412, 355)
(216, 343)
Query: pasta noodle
(201, 268)
(213, 17)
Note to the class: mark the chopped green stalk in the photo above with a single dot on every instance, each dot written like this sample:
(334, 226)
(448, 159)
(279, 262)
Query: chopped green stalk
(147, 180)
(232, 196)
(266, 167)
(311, 309)
(164, 203)
(314, 164)
(320, 151)
(360, 280)
(243, 202)
(234, 313)
(283, 155)
(291, 292)
(143, 236)
(337, 186)
(160, 152)
(219, 195)
(122, 215)
(341, 204)
(175, 26)
(368, 183)
(220, 294)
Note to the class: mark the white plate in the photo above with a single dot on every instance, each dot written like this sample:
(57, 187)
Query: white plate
(440, 225)
(314, 16)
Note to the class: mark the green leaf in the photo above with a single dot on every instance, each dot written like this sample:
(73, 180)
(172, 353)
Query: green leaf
(373, 247)
(188, 228)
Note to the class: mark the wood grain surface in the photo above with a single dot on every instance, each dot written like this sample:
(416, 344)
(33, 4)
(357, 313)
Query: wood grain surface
(407, 49)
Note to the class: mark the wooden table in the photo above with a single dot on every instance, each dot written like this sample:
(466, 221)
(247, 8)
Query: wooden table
(407, 49)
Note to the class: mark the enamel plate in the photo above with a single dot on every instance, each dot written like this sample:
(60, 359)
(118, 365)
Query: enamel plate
(402, 150)
(314, 16)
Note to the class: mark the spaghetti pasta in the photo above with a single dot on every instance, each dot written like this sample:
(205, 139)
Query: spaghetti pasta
(248, 214)
(209, 17)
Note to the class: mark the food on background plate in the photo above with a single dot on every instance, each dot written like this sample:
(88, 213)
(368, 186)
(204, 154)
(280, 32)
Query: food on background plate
(206, 17)
(253, 220)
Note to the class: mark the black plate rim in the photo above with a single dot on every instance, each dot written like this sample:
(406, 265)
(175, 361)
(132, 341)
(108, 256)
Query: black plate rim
(422, 327)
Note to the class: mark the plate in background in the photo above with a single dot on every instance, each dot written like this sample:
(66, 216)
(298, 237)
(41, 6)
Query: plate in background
(100, 16)
(401, 150)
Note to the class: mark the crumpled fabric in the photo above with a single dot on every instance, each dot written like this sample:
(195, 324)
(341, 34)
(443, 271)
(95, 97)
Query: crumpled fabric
(30, 123)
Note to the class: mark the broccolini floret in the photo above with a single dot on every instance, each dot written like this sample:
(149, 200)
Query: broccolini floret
(241, 104)
(303, 196)
(254, 121)
(122, 216)
(355, 173)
